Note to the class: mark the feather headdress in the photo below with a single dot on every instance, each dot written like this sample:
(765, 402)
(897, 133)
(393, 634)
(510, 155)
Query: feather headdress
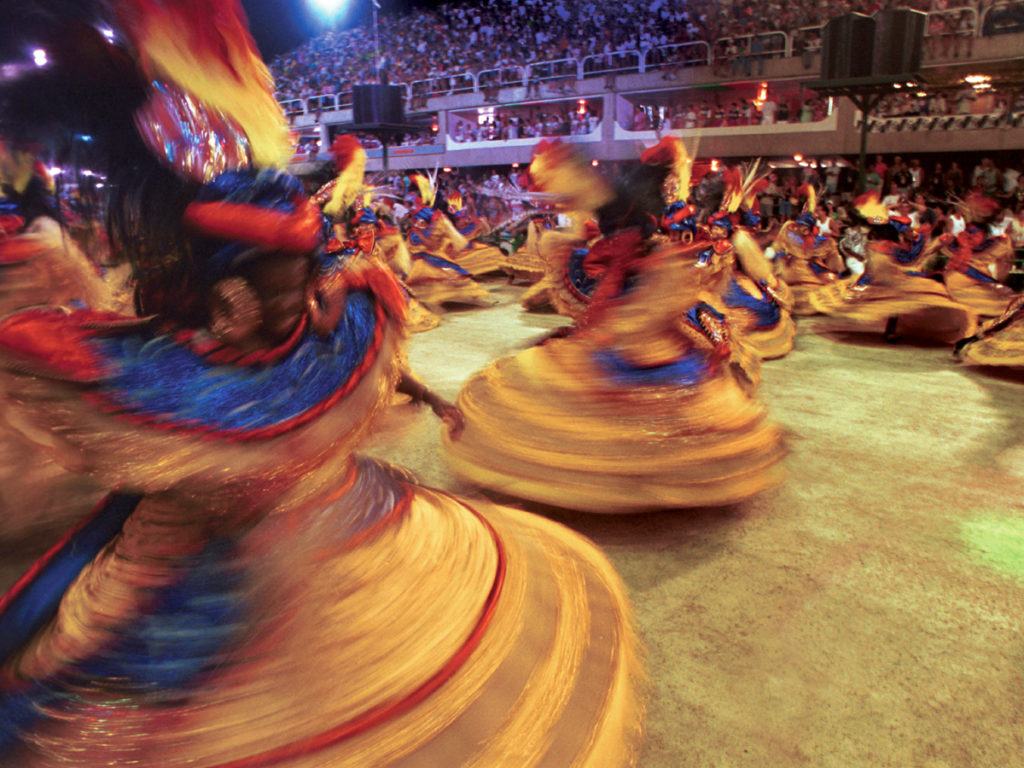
(426, 183)
(560, 170)
(741, 183)
(977, 207)
(810, 195)
(871, 209)
(204, 48)
(671, 151)
(350, 160)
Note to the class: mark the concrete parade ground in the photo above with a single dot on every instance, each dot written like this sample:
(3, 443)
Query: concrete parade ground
(867, 613)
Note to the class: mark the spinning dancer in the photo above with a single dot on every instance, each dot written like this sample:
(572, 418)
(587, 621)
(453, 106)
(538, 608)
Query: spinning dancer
(979, 264)
(435, 278)
(999, 341)
(346, 200)
(254, 594)
(39, 264)
(807, 260)
(641, 407)
(895, 293)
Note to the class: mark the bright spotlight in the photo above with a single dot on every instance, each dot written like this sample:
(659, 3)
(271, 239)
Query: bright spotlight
(39, 57)
(55, 171)
(108, 33)
(328, 9)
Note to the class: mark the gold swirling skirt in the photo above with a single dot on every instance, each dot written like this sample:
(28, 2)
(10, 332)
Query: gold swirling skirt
(803, 283)
(544, 425)
(770, 343)
(987, 299)
(999, 341)
(436, 286)
(430, 634)
(479, 259)
(418, 318)
(923, 307)
(537, 297)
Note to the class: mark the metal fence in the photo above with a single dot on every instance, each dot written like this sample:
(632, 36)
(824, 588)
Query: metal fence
(1002, 17)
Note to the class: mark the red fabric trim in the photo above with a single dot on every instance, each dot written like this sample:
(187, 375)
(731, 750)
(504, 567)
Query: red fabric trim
(17, 250)
(390, 710)
(298, 232)
(397, 512)
(54, 340)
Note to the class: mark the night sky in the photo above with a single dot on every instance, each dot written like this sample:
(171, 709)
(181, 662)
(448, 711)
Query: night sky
(281, 25)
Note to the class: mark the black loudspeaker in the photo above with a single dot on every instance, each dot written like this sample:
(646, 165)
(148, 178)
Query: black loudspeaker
(378, 104)
(846, 50)
(899, 37)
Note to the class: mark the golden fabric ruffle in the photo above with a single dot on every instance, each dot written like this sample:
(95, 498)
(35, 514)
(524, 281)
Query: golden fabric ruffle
(436, 286)
(552, 681)
(550, 425)
(1000, 341)
(769, 343)
(37, 492)
(479, 259)
(537, 297)
(922, 305)
(794, 267)
(987, 299)
(351, 608)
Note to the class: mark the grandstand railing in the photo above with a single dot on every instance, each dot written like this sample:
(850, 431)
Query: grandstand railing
(325, 102)
(1008, 15)
(293, 107)
(953, 13)
(778, 44)
(695, 54)
(942, 122)
(443, 84)
(613, 62)
(501, 77)
(556, 69)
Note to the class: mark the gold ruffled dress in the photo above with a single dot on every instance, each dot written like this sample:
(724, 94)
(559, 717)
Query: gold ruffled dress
(434, 277)
(805, 264)
(894, 285)
(391, 247)
(976, 271)
(644, 407)
(475, 257)
(255, 595)
(757, 303)
(565, 286)
(999, 341)
(42, 265)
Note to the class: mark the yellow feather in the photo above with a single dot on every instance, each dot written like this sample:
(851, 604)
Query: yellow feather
(561, 171)
(349, 184)
(229, 77)
(812, 199)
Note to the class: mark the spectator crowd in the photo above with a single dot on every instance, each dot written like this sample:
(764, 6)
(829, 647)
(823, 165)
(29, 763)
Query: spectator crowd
(526, 123)
(501, 37)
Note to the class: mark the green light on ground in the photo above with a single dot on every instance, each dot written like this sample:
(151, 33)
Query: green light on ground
(998, 542)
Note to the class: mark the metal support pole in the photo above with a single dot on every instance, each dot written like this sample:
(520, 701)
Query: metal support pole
(865, 104)
(376, 40)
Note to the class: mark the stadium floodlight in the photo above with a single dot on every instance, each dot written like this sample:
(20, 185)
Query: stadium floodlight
(328, 9)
